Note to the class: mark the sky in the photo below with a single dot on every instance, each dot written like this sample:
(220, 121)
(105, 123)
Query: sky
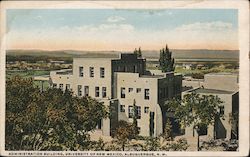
(121, 29)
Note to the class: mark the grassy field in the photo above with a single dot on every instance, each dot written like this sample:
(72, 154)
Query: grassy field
(27, 73)
(189, 72)
(30, 74)
(204, 71)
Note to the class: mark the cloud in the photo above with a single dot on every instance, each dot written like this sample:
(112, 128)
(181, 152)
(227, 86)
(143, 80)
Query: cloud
(115, 36)
(115, 19)
(205, 26)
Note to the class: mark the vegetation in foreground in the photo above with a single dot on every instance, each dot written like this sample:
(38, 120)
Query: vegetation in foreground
(49, 120)
(57, 120)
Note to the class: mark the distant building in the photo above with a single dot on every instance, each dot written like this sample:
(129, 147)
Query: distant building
(225, 86)
(119, 82)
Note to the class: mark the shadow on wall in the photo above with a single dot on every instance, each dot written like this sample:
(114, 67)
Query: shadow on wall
(220, 130)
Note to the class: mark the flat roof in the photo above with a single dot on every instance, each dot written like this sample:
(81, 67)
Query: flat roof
(222, 73)
(152, 76)
(212, 91)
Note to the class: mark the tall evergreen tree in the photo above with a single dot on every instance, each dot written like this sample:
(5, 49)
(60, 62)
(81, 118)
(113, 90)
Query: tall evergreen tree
(166, 60)
(135, 123)
(138, 52)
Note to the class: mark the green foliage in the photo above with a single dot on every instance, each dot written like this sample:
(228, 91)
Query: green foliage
(123, 134)
(166, 60)
(138, 52)
(99, 145)
(168, 135)
(156, 144)
(50, 120)
(197, 75)
(152, 144)
(180, 145)
(135, 123)
(197, 110)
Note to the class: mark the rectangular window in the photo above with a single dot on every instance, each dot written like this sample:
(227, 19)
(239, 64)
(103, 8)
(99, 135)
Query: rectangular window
(146, 109)
(80, 71)
(79, 90)
(138, 113)
(146, 94)
(138, 90)
(67, 86)
(104, 92)
(130, 90)
(122, 92)
(96, 91)
(122, 108)
(102, 72)
(61, 86)
(221, 110)
(91, 71)
(86, 90)
(130, 112)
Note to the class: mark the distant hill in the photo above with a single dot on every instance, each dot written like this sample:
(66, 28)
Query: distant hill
(152, 54)
(194, 54)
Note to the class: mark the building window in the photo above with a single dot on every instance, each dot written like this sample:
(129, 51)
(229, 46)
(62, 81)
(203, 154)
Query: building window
(61, 86)
(79, 90)
(67, 86)
(130, 111)
(99, 124)
(146, 94)
(138, 112)
(80, 71)
(54, 85)
(122, 92)
(139, 130)
(86, 90)
(102, 72)
(130, 90)
(138, 90)
(221, 110)
(96, 91)
(122, 108)
(146, 109)
(91, 72)
(104, 92)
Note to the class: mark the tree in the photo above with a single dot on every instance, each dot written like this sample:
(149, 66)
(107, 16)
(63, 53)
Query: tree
(49, 120)
(179, 145)
(138, 52)
(167, 134)
(135, 123)
(99, 145)
(196, 110)
(123, 134)
(152, 144)
(166, 60)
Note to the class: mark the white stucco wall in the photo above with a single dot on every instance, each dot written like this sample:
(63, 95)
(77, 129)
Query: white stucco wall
(132, 80)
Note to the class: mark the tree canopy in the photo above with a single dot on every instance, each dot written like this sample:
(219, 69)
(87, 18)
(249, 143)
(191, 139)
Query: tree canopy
(49, 120)
(196, 110)
(166, 60)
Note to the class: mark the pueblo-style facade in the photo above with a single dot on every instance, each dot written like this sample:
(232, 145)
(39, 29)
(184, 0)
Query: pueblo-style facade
(120, 83)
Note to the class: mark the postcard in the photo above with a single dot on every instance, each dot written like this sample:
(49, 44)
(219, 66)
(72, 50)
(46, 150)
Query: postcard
(124, 78)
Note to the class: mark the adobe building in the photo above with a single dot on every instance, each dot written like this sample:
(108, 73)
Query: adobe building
(225, 86)
(119, 83)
